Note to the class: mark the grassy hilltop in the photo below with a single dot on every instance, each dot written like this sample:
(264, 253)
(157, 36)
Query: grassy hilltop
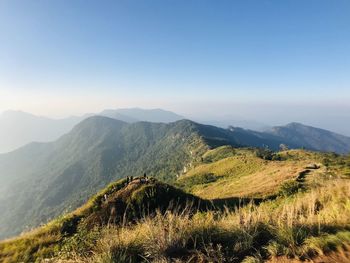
(299, 210)
(226, 171)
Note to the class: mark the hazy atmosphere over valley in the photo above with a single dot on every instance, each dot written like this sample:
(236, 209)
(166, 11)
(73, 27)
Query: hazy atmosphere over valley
(174, 131)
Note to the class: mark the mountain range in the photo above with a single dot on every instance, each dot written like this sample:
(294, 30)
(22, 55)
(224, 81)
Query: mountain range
(43, 180)
(19, 128)
(312, 138)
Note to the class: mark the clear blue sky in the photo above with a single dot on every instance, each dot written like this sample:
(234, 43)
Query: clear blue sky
(237, 57)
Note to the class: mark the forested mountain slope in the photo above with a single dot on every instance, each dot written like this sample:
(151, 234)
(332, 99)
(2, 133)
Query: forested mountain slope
(312, 138)
(42, 180)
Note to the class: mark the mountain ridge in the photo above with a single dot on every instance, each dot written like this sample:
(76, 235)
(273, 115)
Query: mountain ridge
(97, 151)
(60, 175)
(312, 138)
(138, 114)
(19, 128)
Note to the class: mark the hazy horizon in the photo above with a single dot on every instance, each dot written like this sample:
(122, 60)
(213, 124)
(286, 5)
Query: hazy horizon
(264, 61)
(231, 118)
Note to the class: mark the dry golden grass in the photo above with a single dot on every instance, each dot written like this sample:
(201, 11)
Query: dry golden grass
(45, 240)
(309, 225)
(260, 183)
(246, 175)
(306, 226)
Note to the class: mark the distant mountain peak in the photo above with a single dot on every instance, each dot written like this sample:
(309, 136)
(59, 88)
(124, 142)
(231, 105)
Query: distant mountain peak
(139, 114)
(15, 113)
(312, 138)
(294, 124)
(98, 118)
(19, 128)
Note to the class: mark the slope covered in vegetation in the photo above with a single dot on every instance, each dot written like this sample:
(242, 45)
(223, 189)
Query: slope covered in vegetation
(302, 227)
(230, 172)
(313, 138)
(58, 177)
(304, 216)
(121, 203)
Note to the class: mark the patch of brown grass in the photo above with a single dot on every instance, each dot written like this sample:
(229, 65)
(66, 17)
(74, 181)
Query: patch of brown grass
(309, 225)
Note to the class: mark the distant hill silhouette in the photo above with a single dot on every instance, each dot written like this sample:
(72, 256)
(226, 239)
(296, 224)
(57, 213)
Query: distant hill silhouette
(137, 114)
(312, 138)
(19, 128)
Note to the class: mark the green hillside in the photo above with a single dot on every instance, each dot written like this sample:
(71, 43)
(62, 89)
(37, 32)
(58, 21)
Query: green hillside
(305, 215)
(312, 138)
(60, 176)
(228, 172)
(119, 203)
(44, 180)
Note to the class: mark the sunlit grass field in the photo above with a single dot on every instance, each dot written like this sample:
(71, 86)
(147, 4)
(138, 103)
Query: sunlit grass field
(240, 173)
(302, 227)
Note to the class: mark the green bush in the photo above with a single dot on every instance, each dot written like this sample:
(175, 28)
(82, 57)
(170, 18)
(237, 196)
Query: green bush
(289, 188)
(264, 153)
